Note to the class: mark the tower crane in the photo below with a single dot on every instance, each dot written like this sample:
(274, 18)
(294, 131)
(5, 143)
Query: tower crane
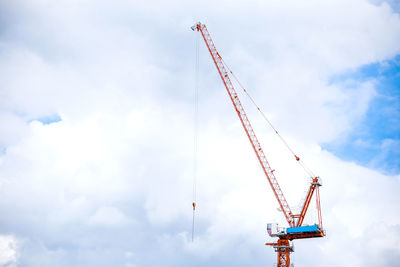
(283, 246)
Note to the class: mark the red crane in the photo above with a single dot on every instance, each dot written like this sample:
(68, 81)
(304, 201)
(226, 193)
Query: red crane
(283, 246)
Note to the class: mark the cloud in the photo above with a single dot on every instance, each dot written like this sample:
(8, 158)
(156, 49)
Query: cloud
(107, 216)
(8, 250)
(110, 182)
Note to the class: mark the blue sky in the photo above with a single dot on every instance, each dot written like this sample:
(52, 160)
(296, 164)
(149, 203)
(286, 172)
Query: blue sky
(53, 118)
(374, 141)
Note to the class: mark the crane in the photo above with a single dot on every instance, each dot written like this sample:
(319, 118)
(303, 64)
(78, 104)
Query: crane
(296, 230)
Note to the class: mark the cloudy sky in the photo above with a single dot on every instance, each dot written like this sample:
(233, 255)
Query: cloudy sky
(96, 138)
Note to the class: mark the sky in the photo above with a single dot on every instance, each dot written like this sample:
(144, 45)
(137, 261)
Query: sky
(97, 131)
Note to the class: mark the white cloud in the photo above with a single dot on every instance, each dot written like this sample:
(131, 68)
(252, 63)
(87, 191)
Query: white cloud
(110, 184)
(8, 250)
(108, 216)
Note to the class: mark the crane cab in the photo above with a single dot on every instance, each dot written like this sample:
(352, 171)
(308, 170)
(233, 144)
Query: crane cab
(274, 230)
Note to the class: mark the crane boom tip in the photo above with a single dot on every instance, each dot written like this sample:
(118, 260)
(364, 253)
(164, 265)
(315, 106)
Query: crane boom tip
(196, 26)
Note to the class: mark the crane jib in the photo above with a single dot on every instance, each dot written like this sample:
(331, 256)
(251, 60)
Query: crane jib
(246, 124)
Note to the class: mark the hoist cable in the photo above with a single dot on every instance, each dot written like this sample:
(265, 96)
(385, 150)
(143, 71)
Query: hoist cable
(195, 135)
(306, 169)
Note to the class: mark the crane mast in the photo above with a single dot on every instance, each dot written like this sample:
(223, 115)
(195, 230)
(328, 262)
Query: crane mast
(295, 231)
